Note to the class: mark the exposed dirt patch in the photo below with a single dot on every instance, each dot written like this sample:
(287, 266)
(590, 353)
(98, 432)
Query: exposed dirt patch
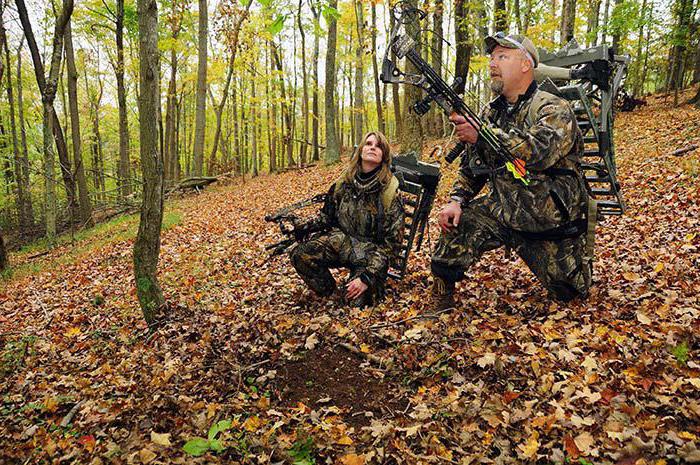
(329, 376)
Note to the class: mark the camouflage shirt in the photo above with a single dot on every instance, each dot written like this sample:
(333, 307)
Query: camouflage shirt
(356, 209)
(540, 129)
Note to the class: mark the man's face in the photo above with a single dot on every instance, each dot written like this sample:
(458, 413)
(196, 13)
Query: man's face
(508, 69)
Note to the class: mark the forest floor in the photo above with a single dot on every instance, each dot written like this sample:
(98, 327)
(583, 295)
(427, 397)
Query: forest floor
(261, 371)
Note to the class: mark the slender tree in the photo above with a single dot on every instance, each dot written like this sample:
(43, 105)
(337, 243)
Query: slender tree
(375, 69)
(48, 87)
(359, 102)
(201, 93)
(332, 149)
(147, 245)
(124, 175)
(85, 209)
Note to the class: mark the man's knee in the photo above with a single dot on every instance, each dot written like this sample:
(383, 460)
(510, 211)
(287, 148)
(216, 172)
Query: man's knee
(450, 273)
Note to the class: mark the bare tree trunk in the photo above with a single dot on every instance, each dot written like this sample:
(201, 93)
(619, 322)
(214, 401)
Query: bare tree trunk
(518, 17)
(377, 92)
(646, 52)
(606, 15)
(21, 187)
(28, 209)
(568, 20)
(316, 116)
(395, 98)
(436, 122)
(254, 125)
(332, 150)
(147, 245)
(616, 34)
(84, 195)
(48, 89)
(359, 103)
(4, 262)
(123, 170)
(464, 45)
(500, 16)
(592, 27)
(305, 98)
(170, 139)
(201, 94)
(638, 74)
(286, 113)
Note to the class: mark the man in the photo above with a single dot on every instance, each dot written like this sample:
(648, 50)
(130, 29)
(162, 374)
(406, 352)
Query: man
(544, 222)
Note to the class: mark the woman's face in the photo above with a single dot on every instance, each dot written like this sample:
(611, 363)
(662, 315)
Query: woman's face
(371, 156)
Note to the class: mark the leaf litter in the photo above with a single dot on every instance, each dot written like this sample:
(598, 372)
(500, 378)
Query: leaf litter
(509, 377)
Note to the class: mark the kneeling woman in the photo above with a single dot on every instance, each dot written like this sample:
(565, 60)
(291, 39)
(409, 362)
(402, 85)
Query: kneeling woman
(364, 220)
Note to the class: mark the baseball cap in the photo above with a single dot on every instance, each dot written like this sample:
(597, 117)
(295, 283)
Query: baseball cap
(517, 41)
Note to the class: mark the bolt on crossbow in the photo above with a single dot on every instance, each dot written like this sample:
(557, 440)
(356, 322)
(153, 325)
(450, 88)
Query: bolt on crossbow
(438, 91)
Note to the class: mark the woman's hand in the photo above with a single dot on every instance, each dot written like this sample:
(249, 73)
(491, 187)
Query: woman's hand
(355, 288)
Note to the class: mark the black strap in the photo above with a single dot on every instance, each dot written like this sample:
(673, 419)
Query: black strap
(569, 230)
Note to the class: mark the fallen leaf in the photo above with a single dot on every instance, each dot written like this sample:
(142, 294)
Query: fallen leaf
(311, 342)
(487, 359)
(162, 439)
(571, 448)
(344, 441)
(352, 459)
(531, 446)
(643, 319)
(584, 441)
(146, 455)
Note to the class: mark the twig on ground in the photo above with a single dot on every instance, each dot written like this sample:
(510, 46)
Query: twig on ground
(69, 416)
(428, 316)
(371, 357)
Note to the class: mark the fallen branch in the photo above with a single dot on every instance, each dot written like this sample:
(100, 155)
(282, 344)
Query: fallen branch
(372, 358)
(687, 149)
(69, 416)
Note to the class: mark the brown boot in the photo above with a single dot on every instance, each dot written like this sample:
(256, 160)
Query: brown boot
(442, 296)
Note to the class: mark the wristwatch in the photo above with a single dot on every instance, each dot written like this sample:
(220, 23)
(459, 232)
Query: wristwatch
(457, 198)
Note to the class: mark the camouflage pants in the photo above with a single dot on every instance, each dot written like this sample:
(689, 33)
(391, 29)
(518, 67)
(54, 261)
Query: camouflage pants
(559, 265)
(335, 249)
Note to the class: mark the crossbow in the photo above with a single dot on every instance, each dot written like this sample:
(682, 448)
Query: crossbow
(291, 226)
(438, 91)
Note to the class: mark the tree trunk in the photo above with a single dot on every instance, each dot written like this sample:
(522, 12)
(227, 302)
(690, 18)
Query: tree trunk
(395, 97)
(4, 263)
(147, 245)
(316, 116)
(638, 74)
(646, 51)
(500, 16)
(518, 17)
(592, 27)
(48, 89)
(359, 104)
(616, 35)
(123, 170)
(201, 95)
(464, 46)
(606, 16)
(170, 139)
(28, 209)
(286, 113)
(436, 128)
(254, 126)
(84, 195)
(305, 87)
(682, 12)
(568, 20)
(21, 187)
(375, 69)
(332, 154)
(412, 135)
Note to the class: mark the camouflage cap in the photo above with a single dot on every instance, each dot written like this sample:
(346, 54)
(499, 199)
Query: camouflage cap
(516, 41)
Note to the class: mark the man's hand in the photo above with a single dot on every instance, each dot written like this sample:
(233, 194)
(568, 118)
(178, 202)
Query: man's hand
(465, 129)
(449, 216)
(355, 288)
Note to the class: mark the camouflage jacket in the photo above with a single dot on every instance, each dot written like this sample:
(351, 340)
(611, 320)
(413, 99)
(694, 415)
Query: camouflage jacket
(540, 129)
(356, 209)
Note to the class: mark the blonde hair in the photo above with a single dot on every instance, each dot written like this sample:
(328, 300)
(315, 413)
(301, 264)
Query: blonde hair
(355, 163)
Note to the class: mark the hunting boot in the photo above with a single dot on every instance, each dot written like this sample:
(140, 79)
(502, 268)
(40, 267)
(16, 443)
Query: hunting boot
(442, 296)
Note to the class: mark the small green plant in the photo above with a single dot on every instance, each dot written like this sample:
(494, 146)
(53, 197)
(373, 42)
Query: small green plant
(199, 446)
(14, 354)
(681, 352)
(583, 461)
(302, 452)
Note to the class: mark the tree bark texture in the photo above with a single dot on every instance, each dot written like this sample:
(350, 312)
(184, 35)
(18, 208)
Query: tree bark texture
(332, 154)
(28, 209)
(85, 209)
(201, 94)
(359, 103)
(305, 88)
(123, 170)
(48, 87)
(147, 245)
(500, 15)
(568, 20)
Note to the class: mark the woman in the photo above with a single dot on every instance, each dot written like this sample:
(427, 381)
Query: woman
(364, 220)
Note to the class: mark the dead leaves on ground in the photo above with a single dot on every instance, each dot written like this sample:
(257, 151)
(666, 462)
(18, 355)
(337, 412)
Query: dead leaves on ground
(510, 377)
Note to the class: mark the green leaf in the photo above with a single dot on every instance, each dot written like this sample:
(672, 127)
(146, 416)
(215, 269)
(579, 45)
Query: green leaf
(681, 352)
(330, 13)
(216, 445)
(276, 25)
(196, 446)
(213, 431)
(265, 3)
(301, 452)
(246, 2)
